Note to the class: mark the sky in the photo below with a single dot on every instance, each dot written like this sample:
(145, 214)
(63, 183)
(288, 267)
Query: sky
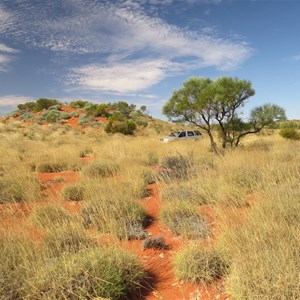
(140, 51)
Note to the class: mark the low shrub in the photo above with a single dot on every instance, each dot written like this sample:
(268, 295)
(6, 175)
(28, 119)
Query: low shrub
(65, 239)
(290, 133)
(115, 214)
(183, 219)
(199, 265)
(157, 242)
(152, 159)
(98, 273)
(49, 215)
(101, 169)
(125, 127)
(73, 192)
(86, 152)
(174, 167)
(51, 167)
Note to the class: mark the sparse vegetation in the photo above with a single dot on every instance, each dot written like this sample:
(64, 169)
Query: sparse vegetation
(101, 169)
(73, 192)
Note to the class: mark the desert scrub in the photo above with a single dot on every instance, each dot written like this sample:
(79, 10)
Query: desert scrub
(290, 133)
(17, 254)
(73, 192)
(155, 242)
(152, 159)
(106, 272)
(115, 213)
(197, 264)
(49, 215)
(183, 219)
(86, 152)
(175, 167)
(101, 169)
(19, 187)
(188, 191)
(263, 253)
(51, 167)
(65, 239)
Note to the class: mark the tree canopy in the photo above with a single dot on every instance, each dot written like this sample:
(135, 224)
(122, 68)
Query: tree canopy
(203, 102)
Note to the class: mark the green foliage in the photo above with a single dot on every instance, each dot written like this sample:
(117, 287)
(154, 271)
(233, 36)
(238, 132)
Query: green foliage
(73, 192)
(93, 274)
(124, 108)
(27, 116)
(290, 133)
(101, 169)
(51, 116)
(13, 114)
(44, 103)
(51, 167)
(124, 127)
(49, 215)
(78, 104)
(199, 265)
(27, 106)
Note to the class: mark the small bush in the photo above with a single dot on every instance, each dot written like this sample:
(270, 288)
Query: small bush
(290, 133)
(183, 219)
(117, 215)
(49, 215)
(73, 192)
(198, 265)
(51, 167)
(174, 167)
(68, 238)
(149, 176)
(101, 169)
(124, 127)
(158, 242)
(86, 152)
(108, 273)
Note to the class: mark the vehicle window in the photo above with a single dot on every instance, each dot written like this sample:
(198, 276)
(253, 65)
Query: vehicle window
(198, 132)
(190, 133)
(182, 134)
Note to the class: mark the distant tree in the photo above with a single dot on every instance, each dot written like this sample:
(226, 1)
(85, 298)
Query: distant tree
(78, 104)
(124, 108)
(260, 117)
(44, 103)
(27, 106)
(230, 94)
(193, 103)
(204, 103)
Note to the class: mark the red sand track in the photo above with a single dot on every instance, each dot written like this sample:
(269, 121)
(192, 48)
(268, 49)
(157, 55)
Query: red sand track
(161, 282)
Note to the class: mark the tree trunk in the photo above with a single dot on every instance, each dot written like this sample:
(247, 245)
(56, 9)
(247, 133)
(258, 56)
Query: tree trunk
(213, 145)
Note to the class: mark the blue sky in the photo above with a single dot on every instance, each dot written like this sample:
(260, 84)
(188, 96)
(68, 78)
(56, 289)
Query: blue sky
(141, 50)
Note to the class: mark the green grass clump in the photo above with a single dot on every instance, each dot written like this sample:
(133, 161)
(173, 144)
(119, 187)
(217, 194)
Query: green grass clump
(199, 265)
(73, 192)
(183, 219)
(290, 133)
(101, 169)
(106, 272)
(116, 214)
(65, 239)
(49, 215)
(51, 167)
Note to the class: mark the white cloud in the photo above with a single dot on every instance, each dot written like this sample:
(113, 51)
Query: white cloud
(122, 77)
(12, 100)
(134, 50)
(6, 56)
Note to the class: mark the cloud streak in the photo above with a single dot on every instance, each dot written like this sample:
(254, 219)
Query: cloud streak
(131, 49)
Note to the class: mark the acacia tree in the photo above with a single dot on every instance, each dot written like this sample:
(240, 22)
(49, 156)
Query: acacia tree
(260, 117)
(193, 104)
(230, 94)
(202, 102)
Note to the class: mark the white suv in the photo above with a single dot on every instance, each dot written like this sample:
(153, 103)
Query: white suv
(182, 135)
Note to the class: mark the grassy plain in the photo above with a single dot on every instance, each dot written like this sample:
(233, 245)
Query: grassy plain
(238, 213)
